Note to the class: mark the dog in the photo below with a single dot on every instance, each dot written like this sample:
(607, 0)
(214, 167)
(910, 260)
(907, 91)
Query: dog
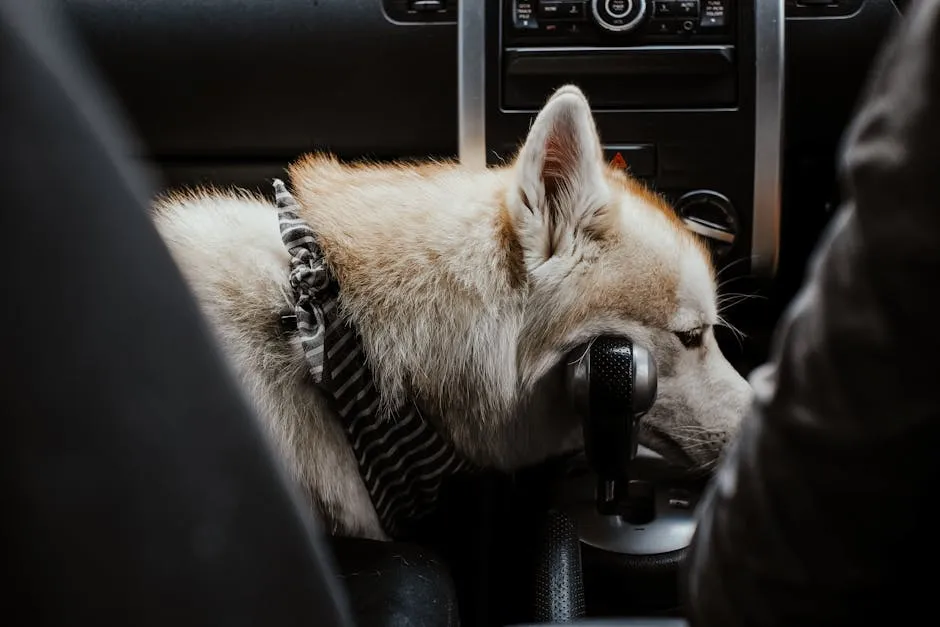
(468, 288)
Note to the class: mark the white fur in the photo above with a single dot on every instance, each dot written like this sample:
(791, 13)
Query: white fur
(468, 288)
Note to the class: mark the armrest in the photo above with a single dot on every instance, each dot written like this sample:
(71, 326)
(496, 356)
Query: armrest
(395, 583)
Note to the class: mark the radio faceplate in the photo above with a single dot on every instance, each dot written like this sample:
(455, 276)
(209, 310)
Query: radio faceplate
(617, 22)
(626, 54)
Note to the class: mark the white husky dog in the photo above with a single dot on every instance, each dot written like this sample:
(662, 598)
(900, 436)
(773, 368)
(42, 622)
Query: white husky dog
(468, 288)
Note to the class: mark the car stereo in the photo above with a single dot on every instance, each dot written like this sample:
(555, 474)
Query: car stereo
(599, 22)
(624, 53)
(687, 95)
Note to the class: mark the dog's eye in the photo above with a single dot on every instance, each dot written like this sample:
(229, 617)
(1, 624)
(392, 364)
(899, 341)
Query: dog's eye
(691, 339)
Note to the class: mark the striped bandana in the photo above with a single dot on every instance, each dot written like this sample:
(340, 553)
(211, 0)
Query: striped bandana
(403, 460)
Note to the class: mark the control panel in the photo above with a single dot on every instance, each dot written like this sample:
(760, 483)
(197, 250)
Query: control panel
(619, 22)
(687, 96)
(628, 54)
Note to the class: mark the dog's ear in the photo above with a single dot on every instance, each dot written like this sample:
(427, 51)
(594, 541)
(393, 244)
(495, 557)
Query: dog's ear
(559, 174)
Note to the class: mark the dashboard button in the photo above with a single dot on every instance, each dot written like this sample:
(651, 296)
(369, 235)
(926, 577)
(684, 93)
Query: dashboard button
(549, 9)
(572, 10)
(664, 8)
(638, 160)
(714, 14)
(523, 14)
(561, 10)
(618, 9)
(687, 8)
(618, 16)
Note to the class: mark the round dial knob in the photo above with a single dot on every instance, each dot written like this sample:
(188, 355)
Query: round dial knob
(712, 216)
(618, 15)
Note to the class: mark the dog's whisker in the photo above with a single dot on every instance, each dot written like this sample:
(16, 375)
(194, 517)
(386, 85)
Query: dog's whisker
(735, 298)
(736, 333)
(705, 431)
(724, 284)
(727, 297)
(692, 447)
(728, 266)
(694, 429)
(703, 438)
(708, 466)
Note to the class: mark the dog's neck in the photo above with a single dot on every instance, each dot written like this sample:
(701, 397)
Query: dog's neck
(436, 288)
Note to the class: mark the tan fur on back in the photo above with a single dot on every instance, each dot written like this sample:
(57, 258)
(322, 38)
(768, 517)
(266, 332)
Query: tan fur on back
(425, 269)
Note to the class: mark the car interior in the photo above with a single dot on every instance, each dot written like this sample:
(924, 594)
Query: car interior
(733, 110)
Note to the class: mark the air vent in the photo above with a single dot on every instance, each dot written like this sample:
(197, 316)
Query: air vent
(822, 8)
(421, 11)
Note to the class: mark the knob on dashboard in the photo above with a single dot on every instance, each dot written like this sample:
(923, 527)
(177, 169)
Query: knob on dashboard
(618, 15)
(712, 216)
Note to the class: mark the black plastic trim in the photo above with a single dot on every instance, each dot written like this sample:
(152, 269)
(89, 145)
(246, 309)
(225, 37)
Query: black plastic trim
(224, 78)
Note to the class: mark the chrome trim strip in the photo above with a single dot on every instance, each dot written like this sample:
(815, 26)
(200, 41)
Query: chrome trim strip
(769, 23)
(621, 48)
(471, 82)
(709, 232)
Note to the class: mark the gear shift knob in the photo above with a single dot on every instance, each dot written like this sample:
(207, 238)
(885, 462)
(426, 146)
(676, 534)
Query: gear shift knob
(612, 383)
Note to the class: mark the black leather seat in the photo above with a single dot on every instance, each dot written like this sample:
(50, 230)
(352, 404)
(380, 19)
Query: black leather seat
(137, 488)
(391, 583)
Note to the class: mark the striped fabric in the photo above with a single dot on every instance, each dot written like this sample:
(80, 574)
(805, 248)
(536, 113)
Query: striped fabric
(403, 460)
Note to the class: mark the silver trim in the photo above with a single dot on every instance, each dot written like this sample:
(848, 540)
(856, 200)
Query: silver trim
(623, 27)
(471, 82)
(645, 380)
(769, 28)
(708, 231)
(725, 47)
(670, 530)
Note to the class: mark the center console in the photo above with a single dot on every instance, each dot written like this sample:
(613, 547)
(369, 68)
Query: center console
(687, 95)
(631, 562)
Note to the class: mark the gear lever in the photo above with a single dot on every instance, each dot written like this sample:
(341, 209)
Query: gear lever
(634, 512)
(613, 384)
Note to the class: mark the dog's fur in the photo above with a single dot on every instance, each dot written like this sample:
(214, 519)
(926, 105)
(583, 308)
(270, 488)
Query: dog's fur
(468, 288)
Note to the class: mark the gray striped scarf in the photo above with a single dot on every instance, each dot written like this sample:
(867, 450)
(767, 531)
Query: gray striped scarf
(403, 460)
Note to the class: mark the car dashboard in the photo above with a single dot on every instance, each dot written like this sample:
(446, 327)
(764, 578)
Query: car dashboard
(731, 109)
